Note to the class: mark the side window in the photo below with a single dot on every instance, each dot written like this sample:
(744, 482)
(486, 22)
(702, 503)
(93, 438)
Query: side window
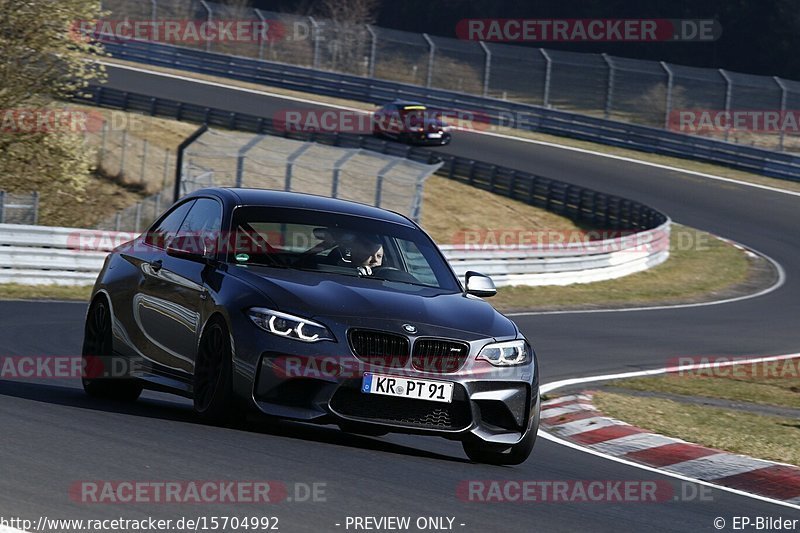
(417, 265)
(166, 228)
(200, 230)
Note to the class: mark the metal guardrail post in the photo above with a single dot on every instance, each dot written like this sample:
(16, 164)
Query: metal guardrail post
(179, 158)
(547, 76)
(241, 156)
(337, 169)
(208, 20)
(379, 182)
(728, 98)
(784, 99)
(487, 67)
(373, 50)
(290, 164)
(431, 58)
(609, 87)
(314, 41)
(670, 85)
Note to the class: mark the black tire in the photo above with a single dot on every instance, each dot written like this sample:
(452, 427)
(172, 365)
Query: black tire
(213, 381)
(98, 348)
(480, 452)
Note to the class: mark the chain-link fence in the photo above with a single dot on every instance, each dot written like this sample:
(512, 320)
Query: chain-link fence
(637, 91)
(229, 158)
(19, 208)
(130, 159)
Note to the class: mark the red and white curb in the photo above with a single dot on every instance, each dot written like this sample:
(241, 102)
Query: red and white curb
(575, 419)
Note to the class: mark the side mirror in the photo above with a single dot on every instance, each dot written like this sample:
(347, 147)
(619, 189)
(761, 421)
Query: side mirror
(479, 285)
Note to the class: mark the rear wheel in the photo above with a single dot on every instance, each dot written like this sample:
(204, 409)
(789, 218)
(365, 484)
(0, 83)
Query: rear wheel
(98, 348)
(480, 452)
(213, 384)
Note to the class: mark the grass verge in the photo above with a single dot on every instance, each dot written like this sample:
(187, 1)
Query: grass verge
(766, 437)
(15, 291)
(704, 270)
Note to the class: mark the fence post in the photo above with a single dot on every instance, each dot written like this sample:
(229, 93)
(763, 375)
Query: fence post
(728, 97)
(609, 87)
(138, 217)
(124, 151)
(263, 38)
(2, 207)
(117, 221)
(315, 40)
(547, 74)
(290, 163)
(784, 98)
(157, 206)
(208, 41)
(379, 182)
(179, 158)
(166, 168)
(144, 161)
(337, 169)
(487, 67)
(241, 156)
(153, 10)
(35, 208)
(431, 56)
(670, 84)
(103, 134)
(373, 49)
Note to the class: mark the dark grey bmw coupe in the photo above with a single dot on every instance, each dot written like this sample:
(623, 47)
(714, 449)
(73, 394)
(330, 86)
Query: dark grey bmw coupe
(313, 309)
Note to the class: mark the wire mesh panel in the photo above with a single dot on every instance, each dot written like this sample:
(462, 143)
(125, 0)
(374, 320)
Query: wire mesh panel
(579, 82)
(458, 65)
(698, 88)
(291, 40)
(639, 92)
(243, 35)
(19, 208)
(517, 73)
(343, 47)
(401, 56)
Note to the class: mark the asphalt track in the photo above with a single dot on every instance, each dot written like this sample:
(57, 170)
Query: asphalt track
(52, 435)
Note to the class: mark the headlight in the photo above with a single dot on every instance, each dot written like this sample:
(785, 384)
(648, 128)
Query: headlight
(290, 326)
(506, 353)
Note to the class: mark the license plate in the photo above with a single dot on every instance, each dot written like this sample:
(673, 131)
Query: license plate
(434, 136)
(421, 389)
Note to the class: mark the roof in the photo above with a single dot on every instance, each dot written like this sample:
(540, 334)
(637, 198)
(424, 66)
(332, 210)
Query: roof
(296, 200)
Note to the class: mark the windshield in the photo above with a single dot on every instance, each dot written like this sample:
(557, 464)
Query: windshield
(334, 243)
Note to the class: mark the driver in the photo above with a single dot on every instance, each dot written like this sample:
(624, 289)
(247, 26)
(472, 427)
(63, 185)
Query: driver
(367, 252)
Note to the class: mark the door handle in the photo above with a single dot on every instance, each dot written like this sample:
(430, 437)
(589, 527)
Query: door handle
(156, 265)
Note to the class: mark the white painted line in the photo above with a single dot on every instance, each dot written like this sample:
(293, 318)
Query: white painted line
(633, 443)
(550, 387)
(582, 426)
(718, 466)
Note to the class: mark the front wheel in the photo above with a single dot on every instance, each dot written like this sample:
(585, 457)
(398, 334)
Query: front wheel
(480, 452)
(213, 383)
(97, 352)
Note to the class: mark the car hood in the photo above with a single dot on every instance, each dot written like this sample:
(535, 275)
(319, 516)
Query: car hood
(317, 295)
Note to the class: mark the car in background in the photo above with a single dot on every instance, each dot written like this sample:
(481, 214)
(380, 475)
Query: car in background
(411, 123)
(313, 309)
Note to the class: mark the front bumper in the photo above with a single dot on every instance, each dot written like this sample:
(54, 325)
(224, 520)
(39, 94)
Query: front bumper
(321, 382)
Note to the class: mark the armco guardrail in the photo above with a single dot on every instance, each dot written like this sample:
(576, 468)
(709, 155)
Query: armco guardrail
(517, 115)
(38, 255)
